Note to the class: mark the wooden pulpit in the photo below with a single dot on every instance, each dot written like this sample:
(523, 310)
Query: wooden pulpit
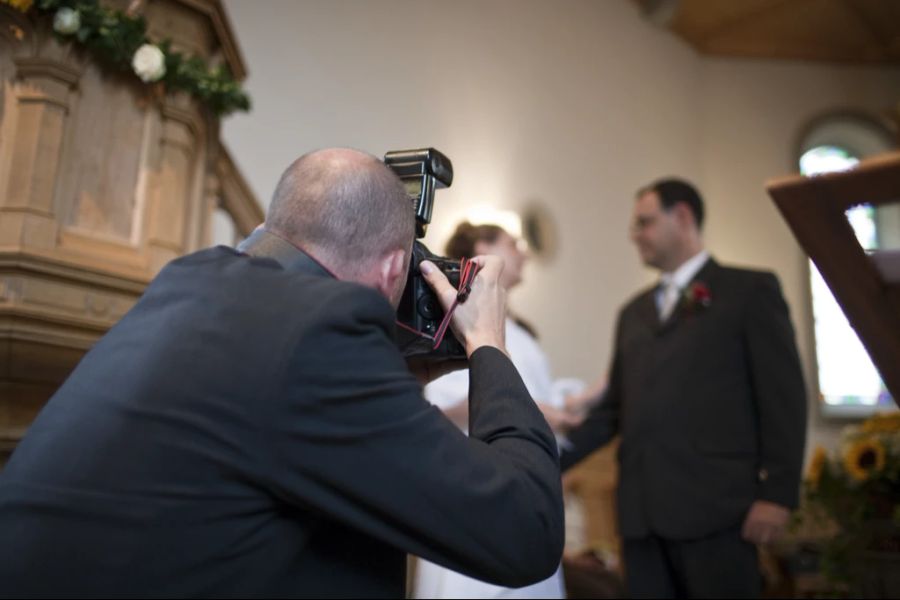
(103, 180)
(865, 284)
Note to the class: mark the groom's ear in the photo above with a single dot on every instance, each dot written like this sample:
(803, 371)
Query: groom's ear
(683, 214)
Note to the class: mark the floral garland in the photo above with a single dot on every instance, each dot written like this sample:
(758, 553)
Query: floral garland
(119, 40)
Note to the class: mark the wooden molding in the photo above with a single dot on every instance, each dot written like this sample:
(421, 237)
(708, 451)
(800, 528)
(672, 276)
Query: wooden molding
(35, 66)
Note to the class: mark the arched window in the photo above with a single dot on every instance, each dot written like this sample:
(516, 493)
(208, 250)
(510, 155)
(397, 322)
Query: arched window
(849, 383)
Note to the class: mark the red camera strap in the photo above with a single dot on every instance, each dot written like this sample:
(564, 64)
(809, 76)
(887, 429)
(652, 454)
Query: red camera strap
(467, 271)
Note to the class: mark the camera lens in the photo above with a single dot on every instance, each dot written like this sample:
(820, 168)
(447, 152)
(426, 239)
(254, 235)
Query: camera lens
(428, 307)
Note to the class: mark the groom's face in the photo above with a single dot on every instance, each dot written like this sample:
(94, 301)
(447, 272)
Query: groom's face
(654, 231)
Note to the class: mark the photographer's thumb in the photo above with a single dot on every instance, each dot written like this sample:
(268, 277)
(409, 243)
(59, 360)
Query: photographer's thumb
(446, 293)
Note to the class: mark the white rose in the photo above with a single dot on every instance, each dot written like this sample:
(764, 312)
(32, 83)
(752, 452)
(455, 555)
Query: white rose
(149, 63)
(66, 21)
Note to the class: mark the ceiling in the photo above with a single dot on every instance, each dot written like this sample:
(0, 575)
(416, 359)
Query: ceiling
(849, 31)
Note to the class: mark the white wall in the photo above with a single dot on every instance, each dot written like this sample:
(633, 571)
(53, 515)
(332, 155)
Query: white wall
(574, 104)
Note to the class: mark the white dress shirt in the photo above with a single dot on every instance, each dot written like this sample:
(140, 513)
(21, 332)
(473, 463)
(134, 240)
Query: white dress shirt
(671, 284)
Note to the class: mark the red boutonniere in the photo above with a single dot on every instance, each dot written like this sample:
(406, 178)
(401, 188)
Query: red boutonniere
(696, 297)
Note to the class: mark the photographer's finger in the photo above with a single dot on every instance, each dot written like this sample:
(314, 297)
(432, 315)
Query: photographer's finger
(490, 267)
(438, 282)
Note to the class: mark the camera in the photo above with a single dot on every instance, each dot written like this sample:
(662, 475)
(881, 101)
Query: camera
(419, 315)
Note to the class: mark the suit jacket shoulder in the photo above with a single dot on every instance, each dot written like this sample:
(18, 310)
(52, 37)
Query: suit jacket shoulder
(746, 277)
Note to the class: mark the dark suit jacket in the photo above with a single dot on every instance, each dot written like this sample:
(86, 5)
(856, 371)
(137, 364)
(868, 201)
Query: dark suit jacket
(710, 404)
(250, 431)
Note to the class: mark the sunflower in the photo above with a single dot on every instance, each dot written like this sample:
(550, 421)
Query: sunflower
(816, 464)
(864, 457)
(21, 5)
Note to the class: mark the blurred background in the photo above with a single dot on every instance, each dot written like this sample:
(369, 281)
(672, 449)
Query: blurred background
(553, 113)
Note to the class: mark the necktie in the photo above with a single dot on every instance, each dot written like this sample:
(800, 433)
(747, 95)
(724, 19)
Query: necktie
(668, 298)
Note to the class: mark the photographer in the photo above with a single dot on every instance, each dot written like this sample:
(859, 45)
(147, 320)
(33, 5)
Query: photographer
(249, 428)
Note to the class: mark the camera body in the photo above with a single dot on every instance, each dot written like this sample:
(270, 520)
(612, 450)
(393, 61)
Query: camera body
(419, 315)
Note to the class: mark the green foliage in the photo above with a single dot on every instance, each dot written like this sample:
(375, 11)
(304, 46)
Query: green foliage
(113, 37)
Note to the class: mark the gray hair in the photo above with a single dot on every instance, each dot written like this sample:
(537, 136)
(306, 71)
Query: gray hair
(342, 205)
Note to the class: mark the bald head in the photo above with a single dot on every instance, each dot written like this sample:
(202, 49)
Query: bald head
(343, 206)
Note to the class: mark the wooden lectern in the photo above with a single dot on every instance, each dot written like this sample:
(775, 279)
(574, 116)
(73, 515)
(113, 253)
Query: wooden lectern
(102, 182)
(865, 284)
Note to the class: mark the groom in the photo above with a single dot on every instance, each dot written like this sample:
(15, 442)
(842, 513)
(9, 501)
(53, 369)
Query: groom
(707, 393)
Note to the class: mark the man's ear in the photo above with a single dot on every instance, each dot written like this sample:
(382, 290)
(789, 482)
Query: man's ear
(684, 215)
(390, 273)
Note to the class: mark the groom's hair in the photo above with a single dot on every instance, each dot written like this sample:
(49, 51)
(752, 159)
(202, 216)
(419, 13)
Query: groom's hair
(671, 191)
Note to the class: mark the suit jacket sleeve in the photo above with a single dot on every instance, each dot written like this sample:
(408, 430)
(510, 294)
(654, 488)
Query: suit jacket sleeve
(353, 440)
(779, 392)
(602, 423)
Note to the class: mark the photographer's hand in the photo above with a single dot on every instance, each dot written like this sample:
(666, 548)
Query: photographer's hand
(481, 319)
